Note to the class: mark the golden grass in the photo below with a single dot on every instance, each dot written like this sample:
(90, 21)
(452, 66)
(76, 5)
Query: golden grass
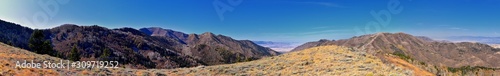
(323, 60)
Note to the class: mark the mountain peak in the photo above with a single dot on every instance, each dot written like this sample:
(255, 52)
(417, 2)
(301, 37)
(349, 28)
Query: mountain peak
(158, 31)
(388, 33)
(325, 40)
(131, 30)
(208, 33)
(155, 28)
(160, 28)
(68, 26)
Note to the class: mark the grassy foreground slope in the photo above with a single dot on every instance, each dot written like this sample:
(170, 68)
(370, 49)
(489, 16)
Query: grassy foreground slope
(323, 60)
(10, 55)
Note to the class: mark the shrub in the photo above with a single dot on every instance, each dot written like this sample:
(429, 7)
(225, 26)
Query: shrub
(403, 56)
(10, 43)
(465, 69)
(422, 63)
(105, 53)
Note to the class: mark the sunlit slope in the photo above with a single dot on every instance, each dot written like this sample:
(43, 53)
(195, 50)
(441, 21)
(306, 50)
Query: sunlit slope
(10, 55)
(322, 60)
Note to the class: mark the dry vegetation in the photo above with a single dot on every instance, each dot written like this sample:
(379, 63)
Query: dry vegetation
(323, 60)
(403, 63)
(9, 55)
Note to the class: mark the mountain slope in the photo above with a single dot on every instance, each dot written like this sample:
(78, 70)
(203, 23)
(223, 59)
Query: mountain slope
(9, 55)
(14, 34)
(323, 60)
(437, 53)
(327, 60)
(144, 48)
(311, 44)
(214, 49)
(427, 54)
(157, 31)
(127, 45)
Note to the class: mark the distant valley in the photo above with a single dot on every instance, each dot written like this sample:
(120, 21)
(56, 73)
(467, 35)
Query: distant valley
(480, 39)
(495, 45)
(278, 46)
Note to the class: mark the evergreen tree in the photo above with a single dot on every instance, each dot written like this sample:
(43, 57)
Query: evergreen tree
(74, 56)
(39, 45)
(36, 40)
(47, 48)
(105, 53)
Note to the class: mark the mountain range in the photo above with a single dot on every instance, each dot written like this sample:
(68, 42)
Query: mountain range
(438, 53)
(144, 48)
(420, 49)
(480, 39)
(168, 51)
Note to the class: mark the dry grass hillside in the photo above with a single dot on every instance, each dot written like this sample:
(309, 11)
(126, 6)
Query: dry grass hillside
(437, 57)
(323, 60)
(10, 55)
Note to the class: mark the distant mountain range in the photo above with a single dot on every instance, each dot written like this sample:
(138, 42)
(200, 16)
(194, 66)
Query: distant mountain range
(480, 39)
(144, 48)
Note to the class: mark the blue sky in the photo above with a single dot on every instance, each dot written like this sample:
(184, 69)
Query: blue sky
(267, 20)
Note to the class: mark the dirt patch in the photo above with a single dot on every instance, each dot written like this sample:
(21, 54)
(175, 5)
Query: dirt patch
(402, 63)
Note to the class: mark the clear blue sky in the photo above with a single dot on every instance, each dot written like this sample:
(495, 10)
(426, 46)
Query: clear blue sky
(266, 20)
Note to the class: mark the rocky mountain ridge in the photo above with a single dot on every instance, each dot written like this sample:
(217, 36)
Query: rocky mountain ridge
(143, 48)
(437, 53)
(420, 50)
